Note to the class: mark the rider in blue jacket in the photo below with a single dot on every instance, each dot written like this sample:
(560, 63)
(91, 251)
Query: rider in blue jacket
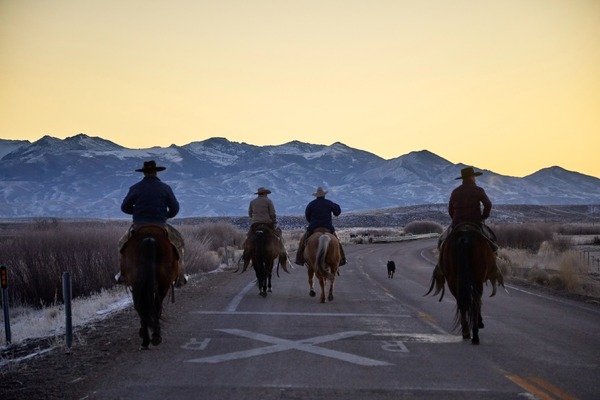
(319, 213)
(152, 202)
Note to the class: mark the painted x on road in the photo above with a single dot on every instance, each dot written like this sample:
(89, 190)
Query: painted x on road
(278, 345)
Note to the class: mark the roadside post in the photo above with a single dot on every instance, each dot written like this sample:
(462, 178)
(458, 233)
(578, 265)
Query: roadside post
(67, 301)
(4, 284)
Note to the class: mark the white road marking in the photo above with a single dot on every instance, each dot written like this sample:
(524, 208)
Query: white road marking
(235, 302)
(396, 346)
(303, 314)
(278, 345)
(194, 344)
(423, 337)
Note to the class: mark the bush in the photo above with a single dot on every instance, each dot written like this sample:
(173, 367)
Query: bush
(36, 259)
(578, 229)
(37, 254)
(423, 227)
(523, 236)
(213, 235)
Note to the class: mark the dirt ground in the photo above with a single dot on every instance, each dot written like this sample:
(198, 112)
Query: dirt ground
(63, 373)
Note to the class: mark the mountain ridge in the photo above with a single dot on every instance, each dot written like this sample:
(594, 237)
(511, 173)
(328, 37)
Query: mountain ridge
(87, 177)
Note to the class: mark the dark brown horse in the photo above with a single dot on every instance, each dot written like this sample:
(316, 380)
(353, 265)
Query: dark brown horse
(264, 250)
(322, 255)
(150, 267)
(467, 261)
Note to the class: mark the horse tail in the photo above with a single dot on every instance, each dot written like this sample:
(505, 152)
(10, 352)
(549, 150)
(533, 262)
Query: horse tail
(144, 287)
(260, 256)
(324, 241)
(259, 246)
(465, 291)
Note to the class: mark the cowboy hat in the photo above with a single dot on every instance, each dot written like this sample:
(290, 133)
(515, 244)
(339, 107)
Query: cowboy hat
(320, 192)
(467, 172)
(262, 190)
(150, 166)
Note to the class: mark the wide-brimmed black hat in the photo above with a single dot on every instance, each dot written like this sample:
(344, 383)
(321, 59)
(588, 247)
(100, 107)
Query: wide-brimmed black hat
(262, 190)
(150, 166)
(468, 172)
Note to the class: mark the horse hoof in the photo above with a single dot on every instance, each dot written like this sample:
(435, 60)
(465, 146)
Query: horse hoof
(480, 325)
(270, 291)
(156, 340)
(475, 341)
(466, 336)
(330, 297)
(263, 294)
(142, 347)
(313, 293)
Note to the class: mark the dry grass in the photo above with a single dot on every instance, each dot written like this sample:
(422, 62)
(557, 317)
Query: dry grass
(37, 254)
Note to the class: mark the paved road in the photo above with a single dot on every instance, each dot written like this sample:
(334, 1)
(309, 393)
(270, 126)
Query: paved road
(379, 339)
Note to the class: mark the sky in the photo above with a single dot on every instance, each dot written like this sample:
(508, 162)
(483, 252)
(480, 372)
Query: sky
(511, 86)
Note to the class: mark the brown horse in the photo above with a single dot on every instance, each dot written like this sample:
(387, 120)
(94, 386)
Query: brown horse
(466, 261)
(150, 267)
(322, 255)
(264, 250)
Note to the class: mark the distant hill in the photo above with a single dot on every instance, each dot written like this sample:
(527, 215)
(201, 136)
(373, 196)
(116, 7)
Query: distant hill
(87, 177)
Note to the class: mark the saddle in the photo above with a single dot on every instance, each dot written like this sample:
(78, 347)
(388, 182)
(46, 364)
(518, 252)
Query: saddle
(482, 229)
(174, 237)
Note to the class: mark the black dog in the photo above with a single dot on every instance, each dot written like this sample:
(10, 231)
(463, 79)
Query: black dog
(391, 267)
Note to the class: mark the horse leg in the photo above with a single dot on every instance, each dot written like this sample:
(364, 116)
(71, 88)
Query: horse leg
(330, 297)
(477, 320)
(311, 283)
(466, 331)
(156, 336)
(269, 283)
(322, 283)
(144, 335)
(475, 339)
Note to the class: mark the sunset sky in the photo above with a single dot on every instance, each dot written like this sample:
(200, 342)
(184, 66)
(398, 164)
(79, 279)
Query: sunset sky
(511, 86)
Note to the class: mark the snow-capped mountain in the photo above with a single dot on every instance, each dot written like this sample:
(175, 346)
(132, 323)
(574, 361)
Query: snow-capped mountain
(83, 176)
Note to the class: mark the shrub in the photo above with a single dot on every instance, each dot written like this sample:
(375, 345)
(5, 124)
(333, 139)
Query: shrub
(37, 254)
(570, 268)
(578, 229)
(523, 236)
(213, 235)
(539, 276)
(422, 227)
(37, 258)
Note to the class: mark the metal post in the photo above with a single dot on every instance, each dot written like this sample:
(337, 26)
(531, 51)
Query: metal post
(4, 284)
(67, 301)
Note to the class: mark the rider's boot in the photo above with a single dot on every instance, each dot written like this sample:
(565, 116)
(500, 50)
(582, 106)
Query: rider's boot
(300, 252)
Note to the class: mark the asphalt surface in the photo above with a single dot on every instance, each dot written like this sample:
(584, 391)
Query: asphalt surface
(379, 338)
